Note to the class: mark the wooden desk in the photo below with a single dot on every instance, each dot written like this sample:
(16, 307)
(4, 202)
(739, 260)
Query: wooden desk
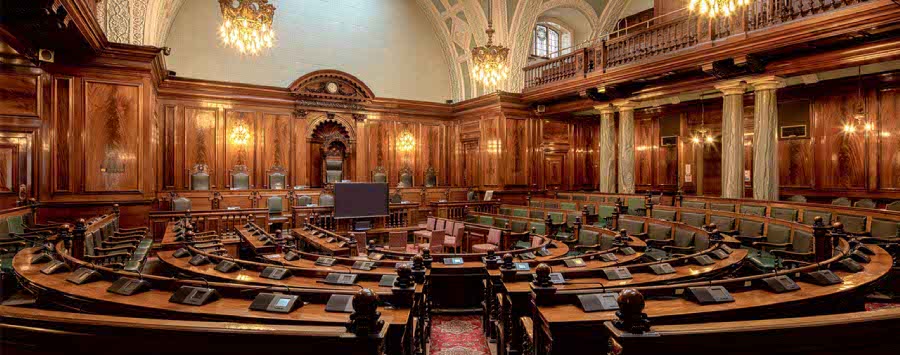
(231, 241)
(259, 247)
(306, 237)
(570, 328)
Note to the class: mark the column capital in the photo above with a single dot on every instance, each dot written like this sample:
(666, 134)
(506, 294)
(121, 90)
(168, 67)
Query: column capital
(768, 82)
(605, 109)
(733, 87)
(625, 105)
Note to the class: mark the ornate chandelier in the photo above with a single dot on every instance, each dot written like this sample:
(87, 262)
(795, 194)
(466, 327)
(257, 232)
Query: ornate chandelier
(405, 141)
(489, 61)
(247, 25)
(717, 8)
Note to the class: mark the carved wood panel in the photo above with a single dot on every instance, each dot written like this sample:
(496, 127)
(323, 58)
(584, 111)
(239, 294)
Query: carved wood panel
(492, 148)
(841, 162)
(517, 144)
(277, 149)
(239, 154)
(887, 136)
(19, 94)
(62, 145)
(199, 143)
(644, 139)
(112, 149)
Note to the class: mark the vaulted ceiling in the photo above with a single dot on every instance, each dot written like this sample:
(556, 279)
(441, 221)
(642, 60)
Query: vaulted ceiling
(459, 25)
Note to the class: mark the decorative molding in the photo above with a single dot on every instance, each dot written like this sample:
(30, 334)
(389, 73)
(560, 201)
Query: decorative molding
(331, 85)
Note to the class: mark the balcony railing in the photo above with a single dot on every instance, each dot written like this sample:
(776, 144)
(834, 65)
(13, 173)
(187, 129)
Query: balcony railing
(670, 33)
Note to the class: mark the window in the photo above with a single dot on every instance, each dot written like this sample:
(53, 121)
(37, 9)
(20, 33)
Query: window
(546, 42)
(540, 41)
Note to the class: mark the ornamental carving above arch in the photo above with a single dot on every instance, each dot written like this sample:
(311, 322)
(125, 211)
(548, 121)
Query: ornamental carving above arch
(317, 123)
(331, 85)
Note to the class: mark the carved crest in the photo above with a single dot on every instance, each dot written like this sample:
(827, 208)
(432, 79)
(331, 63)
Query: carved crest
(331, 85)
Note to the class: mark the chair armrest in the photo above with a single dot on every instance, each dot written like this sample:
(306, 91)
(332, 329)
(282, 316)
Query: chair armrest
(659, 242)
(878, 240)
(126, 230)
(107, 251)
(672, 247)
(641, 236)
(731, 232)
(786, 253)
(750, 239)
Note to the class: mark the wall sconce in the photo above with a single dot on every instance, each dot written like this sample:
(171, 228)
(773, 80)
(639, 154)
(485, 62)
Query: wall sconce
(406, 142)
(240, 135)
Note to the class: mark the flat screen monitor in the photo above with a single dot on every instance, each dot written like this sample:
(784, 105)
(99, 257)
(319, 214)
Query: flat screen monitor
(360, 200)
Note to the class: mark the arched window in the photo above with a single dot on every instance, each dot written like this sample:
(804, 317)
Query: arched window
(546, 42)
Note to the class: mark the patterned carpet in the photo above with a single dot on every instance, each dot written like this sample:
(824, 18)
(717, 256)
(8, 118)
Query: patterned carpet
(877, 306)
(458, 335)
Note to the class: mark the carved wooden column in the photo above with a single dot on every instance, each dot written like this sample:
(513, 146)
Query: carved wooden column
(626, 145)
(765, 137)
(732, 138)
(607, 153)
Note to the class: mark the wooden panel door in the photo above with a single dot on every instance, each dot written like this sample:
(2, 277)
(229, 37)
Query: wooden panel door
(554, 166)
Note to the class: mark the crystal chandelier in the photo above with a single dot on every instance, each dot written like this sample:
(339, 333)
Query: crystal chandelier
(489, 61)
(717, 8)
(405, 141)
(247, 25)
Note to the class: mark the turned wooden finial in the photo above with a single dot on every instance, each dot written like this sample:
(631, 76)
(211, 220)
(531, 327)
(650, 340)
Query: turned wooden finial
(365, 317)
(404, 277)
(418, 262)
(542, 275)
(631, 312)
(508, 261)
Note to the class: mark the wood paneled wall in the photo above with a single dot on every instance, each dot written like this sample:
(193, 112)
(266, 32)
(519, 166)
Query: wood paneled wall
(828, 162)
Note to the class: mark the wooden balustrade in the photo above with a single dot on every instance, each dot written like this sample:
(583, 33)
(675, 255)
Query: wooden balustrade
(399, 215)
(457, 210)
(672, 32)
(220, 221)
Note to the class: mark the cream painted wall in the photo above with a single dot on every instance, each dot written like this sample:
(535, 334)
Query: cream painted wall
(388, 44)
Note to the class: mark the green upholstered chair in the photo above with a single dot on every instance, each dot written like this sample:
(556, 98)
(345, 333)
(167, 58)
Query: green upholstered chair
(570, 206)
(693, 219)
(579, 198)
(396, 197)
(883, 231)
(181, 203)
(16, 224)
(277, 178)
(520, 212)
(841, 201)
(557, 217)
(379, 175)
(326, 200)
(486, 220)
(864, 203)
(724, 224)
(4, 230)
(564, 196)
(800, 248)
(607, 241)
(406, 177)
(539, 228)
(276, 209)
(500, 222)
(659, 234)
(784, 214)
(430, 177)
(304, 200)
(591, 208)
(682, 242)
(810, 215)
(596, 198)
(536, 214)
(893, 206)
(334, 170)
(551, 204)
(700, 205)
(797, 198)
(725, 207)
(634, 228)
(664, 215)
(240, 180)
(701, 242)
(518, 226)
(506, 211)
(777, 237)
(753, 210)
(200, 177)
(536, 203)
(604, 212)
(636, 206)
(750, 231)
(853, 224)
(588, 238)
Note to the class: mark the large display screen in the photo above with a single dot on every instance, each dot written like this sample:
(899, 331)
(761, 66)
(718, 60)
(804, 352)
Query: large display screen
(360, 200)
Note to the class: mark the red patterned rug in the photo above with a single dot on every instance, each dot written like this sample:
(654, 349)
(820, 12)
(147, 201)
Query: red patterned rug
(458, 335)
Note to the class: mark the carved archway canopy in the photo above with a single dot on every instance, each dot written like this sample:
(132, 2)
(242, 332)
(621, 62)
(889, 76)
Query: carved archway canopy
(331, 85)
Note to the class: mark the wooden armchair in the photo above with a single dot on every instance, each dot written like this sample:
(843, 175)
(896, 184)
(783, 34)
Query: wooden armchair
(634, 228)
(778, 237)
(750, 231)
(800, 248)
(659, 235)
(683, 242)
